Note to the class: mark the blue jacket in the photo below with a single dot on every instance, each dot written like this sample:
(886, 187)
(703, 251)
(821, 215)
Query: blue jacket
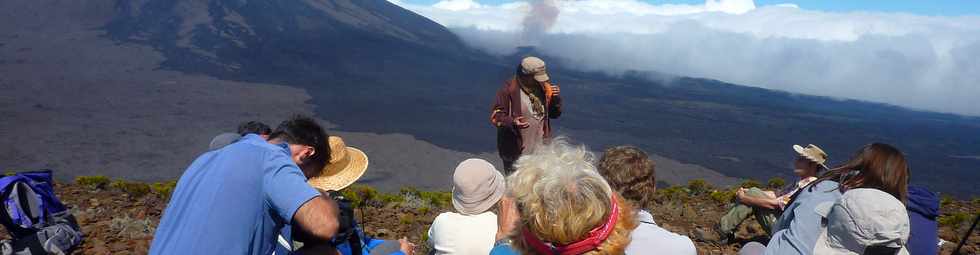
(923, 207)
(799, 226)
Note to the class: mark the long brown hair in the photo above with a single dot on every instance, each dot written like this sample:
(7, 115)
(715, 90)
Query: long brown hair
(878, 166)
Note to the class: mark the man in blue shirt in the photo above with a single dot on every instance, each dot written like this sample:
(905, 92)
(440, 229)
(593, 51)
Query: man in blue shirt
(235, 200)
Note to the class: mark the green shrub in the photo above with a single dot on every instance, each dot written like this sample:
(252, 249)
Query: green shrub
(776, 182)
(352, 196)
(10, 173)
(946, 200)
(953, 220)
(698, 186)
(424, 210)
(439, 199)
(134, 189)
(359, 194)
(409, 191)
(722, 196)
(672, 193)
(95, 182)
(406, 219)
(387, 198)
(750, 184)
(163, 189)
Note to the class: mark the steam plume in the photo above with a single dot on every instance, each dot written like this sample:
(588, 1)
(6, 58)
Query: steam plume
(538, 20)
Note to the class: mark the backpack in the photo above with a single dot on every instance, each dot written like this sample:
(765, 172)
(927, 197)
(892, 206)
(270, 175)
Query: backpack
(38, 222)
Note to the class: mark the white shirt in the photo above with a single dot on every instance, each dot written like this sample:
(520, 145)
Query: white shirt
(454, 233)
(648, 238)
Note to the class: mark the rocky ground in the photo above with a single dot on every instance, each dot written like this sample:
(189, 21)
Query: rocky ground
(120, 217)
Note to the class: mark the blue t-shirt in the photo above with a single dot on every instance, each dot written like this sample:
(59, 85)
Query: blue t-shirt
(233, 200)
(799, 226)
(503, 249)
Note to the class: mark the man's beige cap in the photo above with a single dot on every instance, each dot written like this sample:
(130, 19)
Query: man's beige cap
(534, 66)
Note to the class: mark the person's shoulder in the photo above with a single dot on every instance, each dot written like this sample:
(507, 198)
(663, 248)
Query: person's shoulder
(446, 216)
(648, 236)
(503, 249)
(508, 85)
(824, 186)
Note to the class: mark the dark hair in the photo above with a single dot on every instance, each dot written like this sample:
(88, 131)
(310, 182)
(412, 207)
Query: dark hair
(304, 130)
(630, 172)
(254, 127)
(878, 166)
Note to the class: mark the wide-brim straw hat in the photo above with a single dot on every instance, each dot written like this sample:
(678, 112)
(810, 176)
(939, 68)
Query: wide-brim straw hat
(347, 164)
(813, 153)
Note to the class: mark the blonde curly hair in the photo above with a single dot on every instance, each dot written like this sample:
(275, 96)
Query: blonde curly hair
(561, 197)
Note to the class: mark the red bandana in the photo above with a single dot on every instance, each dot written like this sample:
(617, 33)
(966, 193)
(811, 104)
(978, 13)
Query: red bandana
(595, 238)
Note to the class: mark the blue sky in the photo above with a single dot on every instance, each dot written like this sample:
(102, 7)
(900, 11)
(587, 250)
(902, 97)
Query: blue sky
(922, 7)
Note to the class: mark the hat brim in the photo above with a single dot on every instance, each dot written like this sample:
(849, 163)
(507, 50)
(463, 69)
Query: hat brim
(825, 247)
(483, 206)
(339, 175)
(542, 77)
(803, 152)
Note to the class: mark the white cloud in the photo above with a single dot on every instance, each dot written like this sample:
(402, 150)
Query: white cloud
(925, 62)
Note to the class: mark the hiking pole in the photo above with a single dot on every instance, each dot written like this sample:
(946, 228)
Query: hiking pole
(966, 237)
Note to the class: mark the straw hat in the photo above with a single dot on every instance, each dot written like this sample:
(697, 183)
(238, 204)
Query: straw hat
(813, 153)
(347, 164)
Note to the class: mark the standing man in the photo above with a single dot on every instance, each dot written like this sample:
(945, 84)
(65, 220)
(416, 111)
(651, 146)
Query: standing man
(236, 199)
(522, 110)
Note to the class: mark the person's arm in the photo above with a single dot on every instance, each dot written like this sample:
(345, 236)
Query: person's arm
(554, 110)
(293, 200)
(500, 111)
(507, 219)
(317, 218)
(766, 202)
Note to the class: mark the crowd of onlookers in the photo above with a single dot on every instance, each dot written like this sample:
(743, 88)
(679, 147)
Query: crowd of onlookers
(261, 191)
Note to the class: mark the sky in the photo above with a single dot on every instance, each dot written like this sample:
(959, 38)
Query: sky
(917, 54)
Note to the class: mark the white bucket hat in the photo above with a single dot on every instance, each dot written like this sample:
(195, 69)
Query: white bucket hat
(477, 186)
(862, 219)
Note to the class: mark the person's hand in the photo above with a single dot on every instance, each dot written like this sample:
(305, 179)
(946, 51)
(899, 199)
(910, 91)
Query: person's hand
(555, 90)
(406, 247)
(507, 219)
(740, 193)
(521, 122)
(770, 194)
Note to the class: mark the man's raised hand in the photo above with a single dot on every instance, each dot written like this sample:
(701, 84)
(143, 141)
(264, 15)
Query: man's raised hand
(521, 122)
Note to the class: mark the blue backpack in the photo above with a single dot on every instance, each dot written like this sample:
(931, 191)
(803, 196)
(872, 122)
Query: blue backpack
(38, 222)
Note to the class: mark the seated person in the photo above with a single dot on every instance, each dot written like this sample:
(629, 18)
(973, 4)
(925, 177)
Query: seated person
(863, 221)
(563, 205)
(224, 139)
(876, 166)
(631, 173)
(346, 165)
(254, 127)
(767, 205)
(477, 187)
